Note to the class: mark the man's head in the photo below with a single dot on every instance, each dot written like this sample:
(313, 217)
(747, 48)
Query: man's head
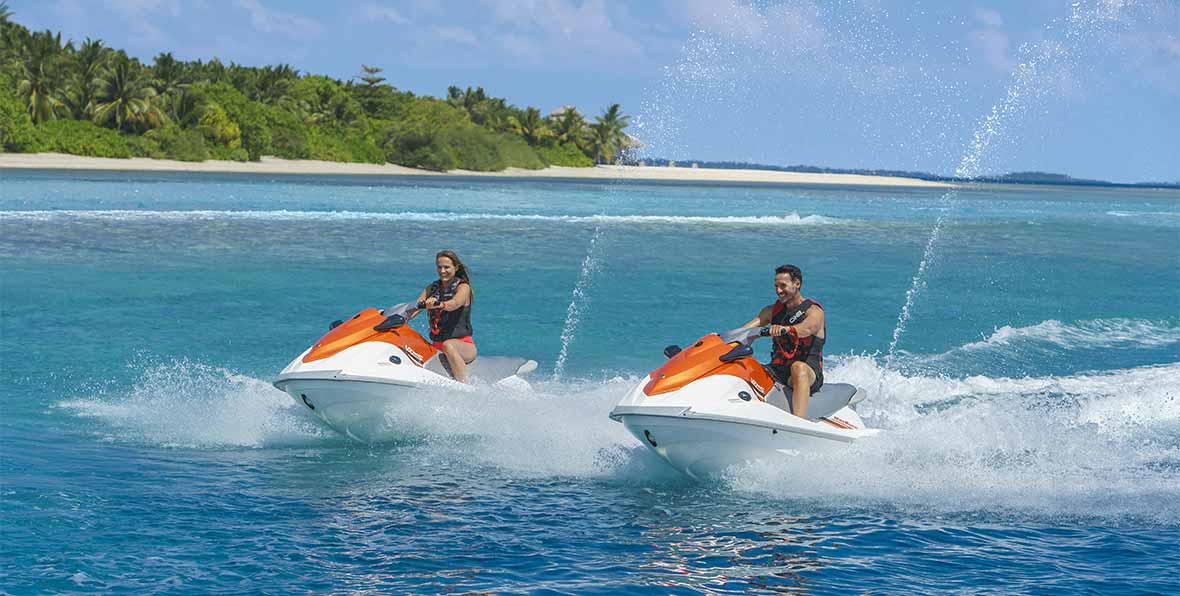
(787, 281)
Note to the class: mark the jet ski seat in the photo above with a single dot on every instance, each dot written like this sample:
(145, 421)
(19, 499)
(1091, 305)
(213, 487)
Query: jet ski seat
(831, 398)
(827, 401)
(487, 368)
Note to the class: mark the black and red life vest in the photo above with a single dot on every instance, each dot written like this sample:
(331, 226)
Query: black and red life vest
(446, 325)
(810, 348)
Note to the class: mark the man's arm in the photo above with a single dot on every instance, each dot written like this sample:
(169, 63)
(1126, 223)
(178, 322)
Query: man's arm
(812, 324)
(762, 320)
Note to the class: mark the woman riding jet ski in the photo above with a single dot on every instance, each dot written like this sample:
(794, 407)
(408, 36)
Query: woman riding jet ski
(713, 405)
(362, 365)
(352, 374)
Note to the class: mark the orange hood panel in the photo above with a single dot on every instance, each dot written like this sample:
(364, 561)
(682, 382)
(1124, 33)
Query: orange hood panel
(359, 329)
(702, 359)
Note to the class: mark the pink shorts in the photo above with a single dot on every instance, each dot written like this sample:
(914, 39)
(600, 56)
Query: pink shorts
(438, 345)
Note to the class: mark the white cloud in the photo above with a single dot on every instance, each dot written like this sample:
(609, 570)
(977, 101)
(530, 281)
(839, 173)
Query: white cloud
(728, 18)
(521, 47)
(994, 45)
(1154, 56)
(274, 21)
(987, 16)
(992, 40)
(141, 6)
(138, 16)
(457, 35)
(561, 28)
(789, 28)
(380, 12)
(68, 9)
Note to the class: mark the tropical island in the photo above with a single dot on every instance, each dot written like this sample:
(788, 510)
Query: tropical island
(91, 100)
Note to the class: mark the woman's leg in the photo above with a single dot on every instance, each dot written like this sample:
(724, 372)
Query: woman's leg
(459, 353)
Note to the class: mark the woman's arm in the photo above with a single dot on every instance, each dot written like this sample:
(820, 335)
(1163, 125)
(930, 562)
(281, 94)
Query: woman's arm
(421, 297)
(461, 298)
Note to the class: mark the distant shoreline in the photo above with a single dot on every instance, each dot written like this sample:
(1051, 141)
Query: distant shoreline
(274, 165)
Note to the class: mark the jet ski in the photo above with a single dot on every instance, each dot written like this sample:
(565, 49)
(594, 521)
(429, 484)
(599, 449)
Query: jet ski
(712, 405)
(352, 374)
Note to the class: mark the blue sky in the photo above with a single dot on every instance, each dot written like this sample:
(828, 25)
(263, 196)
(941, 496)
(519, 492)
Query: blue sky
(1090, 88)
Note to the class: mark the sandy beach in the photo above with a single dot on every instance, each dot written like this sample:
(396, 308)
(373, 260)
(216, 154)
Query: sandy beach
(274, 165)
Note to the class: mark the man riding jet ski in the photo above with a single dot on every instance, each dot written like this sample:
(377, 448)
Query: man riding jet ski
(712, 405)
(352, 374)
(798, 328)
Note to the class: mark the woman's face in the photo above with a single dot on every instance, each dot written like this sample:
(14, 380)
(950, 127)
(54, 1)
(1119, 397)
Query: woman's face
(446, 268)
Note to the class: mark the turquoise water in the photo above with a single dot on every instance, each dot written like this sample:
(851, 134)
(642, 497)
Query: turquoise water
(1031, 407)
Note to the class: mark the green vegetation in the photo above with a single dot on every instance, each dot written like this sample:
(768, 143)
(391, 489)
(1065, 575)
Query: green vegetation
(89, 99)
(78, 137)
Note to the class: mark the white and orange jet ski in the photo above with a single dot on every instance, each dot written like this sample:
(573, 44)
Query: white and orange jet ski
(712, 405)
(352, 374)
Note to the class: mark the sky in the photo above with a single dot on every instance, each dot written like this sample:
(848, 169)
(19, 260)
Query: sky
(1089, 88)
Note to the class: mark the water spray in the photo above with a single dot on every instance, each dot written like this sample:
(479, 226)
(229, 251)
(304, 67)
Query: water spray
(578, 301)
(1083, 20)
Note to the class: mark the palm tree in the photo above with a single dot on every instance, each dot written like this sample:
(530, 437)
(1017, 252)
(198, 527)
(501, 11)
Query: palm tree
(40, 75)
(492, 112)
(608, 138)
(11, 36)
(170, 75)
(91, 58)
(185, 108)
(568, 126)
(274, 83)
(529, 124)
(212, 71)
(88, 63)
(244, 79)
(124, 97)
(467, 99)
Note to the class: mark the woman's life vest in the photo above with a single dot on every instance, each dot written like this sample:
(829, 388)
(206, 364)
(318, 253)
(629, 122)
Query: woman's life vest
(806, 348)
(446, 325)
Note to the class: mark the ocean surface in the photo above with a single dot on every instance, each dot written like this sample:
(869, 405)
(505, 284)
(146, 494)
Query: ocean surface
(1030, 401)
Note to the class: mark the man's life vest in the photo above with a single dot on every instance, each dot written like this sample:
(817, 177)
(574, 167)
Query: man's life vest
(786, 349)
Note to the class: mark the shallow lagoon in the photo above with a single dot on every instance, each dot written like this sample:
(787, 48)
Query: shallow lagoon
(1033, 418)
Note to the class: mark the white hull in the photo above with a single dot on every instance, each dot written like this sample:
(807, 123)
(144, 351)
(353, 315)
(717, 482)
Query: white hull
(705, 427)
(701, 448)
(353, 391)
(354, 408)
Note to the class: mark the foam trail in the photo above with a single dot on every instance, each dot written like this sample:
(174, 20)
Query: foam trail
(550, 429)
(790, 219)
(1088, 444)
(1093, 444)
(578, 301)
(193, 405)
(1097, 333)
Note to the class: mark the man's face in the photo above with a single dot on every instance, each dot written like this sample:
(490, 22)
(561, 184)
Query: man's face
(785, 287)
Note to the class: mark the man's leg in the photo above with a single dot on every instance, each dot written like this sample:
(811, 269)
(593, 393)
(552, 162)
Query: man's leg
(459, 353)
(801, 379)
